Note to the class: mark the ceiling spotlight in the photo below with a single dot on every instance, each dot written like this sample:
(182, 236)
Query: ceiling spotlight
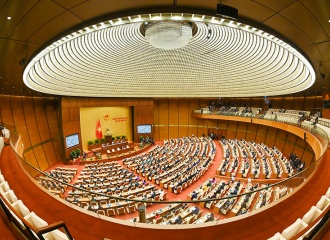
(8, 18)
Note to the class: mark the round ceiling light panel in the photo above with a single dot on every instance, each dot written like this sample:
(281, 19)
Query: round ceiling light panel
(168, 35)
(169, 55)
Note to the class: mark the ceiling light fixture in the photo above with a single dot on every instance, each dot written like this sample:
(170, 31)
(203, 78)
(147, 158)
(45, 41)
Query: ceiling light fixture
(168, 35)
(8, 18)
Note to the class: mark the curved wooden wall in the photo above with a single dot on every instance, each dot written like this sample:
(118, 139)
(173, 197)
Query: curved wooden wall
(37, 122)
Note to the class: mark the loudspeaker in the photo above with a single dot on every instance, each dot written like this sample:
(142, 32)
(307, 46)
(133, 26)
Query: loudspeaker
(227, 11)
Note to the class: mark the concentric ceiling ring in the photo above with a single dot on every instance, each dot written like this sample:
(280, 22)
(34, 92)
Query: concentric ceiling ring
(223, 59)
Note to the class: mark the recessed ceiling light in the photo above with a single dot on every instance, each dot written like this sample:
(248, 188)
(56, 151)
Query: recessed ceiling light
(8, 18)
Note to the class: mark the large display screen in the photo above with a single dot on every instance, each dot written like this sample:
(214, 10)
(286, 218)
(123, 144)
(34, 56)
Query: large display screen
(326, 104)
(72, 140)
(146, 128)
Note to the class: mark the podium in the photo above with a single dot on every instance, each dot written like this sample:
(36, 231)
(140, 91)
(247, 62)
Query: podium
(142, 214)
(108, 139)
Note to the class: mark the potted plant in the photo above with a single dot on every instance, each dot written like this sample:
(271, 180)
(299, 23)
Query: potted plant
(78, 152)
(96, 141)
(103, 140)
(73, 154)
(123, 137)
(117, 137)
(90, 142)
(141, 138)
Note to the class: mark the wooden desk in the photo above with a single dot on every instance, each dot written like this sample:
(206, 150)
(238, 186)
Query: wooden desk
(203, 219)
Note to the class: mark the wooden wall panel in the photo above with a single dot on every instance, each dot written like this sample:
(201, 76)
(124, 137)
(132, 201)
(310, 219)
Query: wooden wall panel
(212, 126)
(202, 102)
(232, 129)
(244, 102)
(184, 113)
(241, 130)
(163, 113)
(156, 119)
(58, 144)
(52, 118)
(298, 103)
(173, 112)
(234, 102)
(30, 120)
(318, 102)
(308, 155)
(251, 132)
(280, 139)
(163, 132)
(193, 105)
(173, 132)
(309, 103)
(163, 120)
(50, 153)
(193, 122)
(287, 103)
(19, 120)
(261, 134)
(41, 117)
(223, 126)
(256, 102)
(271, 136)
(6, 111)
(289, 144)
(183, 131)
(31, 159)
(184, 116)
(202, 127)
(299, 147)
(33, 133)
(276, 102)
(40, 157)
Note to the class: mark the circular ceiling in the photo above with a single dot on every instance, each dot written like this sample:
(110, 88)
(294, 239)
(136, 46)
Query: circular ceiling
(224, 58)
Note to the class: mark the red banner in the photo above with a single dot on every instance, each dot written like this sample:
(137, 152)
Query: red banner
(98, 132)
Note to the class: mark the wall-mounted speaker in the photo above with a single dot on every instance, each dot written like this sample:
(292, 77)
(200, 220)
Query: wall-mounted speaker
(227, 11)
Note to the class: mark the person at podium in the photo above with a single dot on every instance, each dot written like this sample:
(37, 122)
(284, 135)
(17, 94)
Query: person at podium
(107, 132)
